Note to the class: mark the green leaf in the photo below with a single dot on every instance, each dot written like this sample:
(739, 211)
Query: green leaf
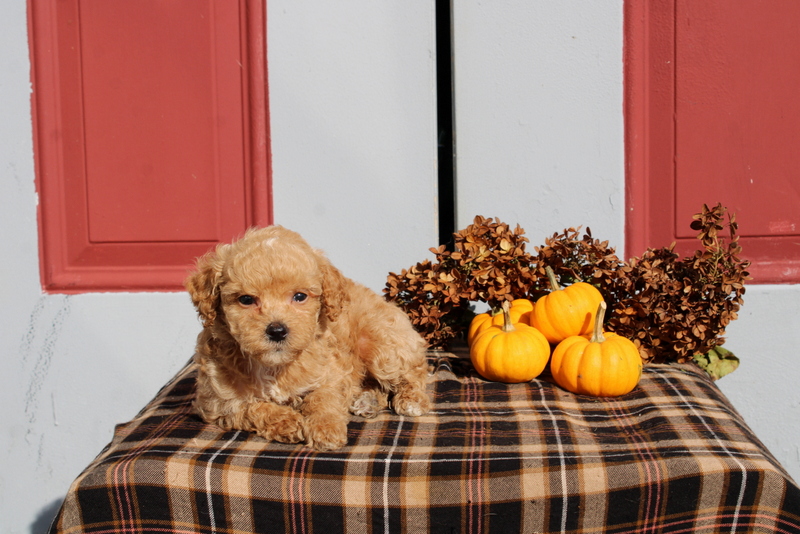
(717, 362)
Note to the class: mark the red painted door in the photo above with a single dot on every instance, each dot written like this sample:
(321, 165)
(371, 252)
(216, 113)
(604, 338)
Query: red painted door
(713, 115)
(151, 141)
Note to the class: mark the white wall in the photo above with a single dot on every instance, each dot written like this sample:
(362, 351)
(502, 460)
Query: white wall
(539, 115)
(353, 140)
(353, 109)
(764, 389)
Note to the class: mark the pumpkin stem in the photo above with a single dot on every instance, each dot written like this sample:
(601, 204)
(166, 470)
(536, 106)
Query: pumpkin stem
(552, 277)
(597, 334)
(508, 326)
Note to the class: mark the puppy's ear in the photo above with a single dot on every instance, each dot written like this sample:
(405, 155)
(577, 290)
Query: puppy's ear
(203, 284)
(334, 295)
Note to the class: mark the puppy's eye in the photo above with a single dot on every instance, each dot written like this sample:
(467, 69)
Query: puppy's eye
(247, 300)
(299, 297)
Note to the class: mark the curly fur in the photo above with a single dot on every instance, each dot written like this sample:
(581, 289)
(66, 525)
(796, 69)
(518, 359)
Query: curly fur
(290, 346)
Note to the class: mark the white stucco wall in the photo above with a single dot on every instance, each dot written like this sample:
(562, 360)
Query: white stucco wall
(353, 138)
(539, 123)
(353, 115)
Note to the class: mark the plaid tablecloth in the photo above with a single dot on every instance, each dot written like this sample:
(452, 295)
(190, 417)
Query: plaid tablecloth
(672, 456)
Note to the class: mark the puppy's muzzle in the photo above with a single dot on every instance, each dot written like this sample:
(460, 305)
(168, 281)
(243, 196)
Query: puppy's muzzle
(277, 332)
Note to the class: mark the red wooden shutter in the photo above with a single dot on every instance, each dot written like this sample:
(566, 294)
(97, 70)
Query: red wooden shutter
(151, 137)
(713, 115)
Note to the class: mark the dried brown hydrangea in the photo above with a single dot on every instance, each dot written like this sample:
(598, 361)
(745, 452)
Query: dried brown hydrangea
(674, 308)
(576, 259)
(671, 307)
(488, 264)
(426, 293)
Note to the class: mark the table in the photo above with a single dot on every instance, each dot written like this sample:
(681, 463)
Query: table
(671, 456)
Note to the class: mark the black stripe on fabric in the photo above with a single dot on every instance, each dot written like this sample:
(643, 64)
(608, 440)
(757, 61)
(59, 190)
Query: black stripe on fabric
(152, 504)
(325, 519)
(269, 516)
(386, 519)
(624, 506)
(683, 495)
(504, 517)
(97, 505)
(211, 510)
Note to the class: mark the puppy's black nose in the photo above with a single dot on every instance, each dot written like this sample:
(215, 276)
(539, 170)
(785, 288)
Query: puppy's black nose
(277, 331)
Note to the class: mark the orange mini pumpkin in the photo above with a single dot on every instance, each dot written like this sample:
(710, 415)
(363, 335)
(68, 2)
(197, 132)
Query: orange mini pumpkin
(519, 310)
(565, 312)
(509, 353)
(605, 365)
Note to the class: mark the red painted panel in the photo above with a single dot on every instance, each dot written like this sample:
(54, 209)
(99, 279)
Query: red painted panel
(738, 113)
(712, 116)
(150, 136)
(153, 124)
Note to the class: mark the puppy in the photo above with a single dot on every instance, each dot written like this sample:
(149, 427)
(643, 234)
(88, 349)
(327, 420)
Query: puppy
(290, 346)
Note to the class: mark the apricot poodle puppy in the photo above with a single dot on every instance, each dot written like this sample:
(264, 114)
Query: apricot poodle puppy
(290, 346)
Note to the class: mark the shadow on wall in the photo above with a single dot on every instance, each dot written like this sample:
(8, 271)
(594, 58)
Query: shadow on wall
(41, 525)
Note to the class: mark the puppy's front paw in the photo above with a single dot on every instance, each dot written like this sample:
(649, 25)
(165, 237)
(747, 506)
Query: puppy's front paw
(412, 402)
(277, 423)
(326, 435)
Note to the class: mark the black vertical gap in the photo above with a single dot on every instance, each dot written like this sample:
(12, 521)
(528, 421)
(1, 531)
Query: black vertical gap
(445, 122)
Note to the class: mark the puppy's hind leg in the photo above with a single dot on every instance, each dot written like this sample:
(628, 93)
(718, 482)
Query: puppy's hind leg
(394, 356)
(404, 374)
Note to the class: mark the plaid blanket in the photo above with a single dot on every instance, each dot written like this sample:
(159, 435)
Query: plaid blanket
(672, 456)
